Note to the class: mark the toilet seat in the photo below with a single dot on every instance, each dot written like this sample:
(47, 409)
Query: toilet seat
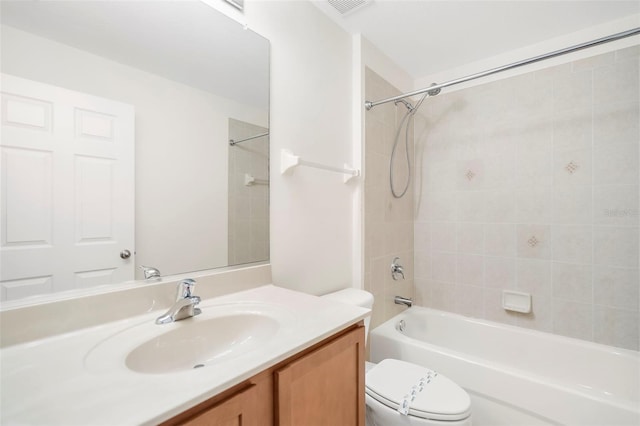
(435, 397)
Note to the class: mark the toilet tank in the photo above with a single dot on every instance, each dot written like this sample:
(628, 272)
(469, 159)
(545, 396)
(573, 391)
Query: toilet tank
(357, 297)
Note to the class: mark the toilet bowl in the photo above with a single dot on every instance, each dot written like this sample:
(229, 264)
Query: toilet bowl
(401, 393)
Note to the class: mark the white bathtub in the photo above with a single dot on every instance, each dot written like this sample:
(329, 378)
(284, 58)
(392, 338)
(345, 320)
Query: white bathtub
(517, 376)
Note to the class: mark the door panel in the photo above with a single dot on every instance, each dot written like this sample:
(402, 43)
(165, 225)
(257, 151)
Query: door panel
(26, 202)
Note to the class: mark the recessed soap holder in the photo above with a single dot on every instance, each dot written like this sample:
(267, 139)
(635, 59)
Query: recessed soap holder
(516, 301)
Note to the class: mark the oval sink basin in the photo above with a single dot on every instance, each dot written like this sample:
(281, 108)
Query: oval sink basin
(202, 343)
(221, 333)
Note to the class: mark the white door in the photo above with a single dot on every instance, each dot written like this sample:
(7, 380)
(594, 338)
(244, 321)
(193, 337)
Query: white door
(66, 189)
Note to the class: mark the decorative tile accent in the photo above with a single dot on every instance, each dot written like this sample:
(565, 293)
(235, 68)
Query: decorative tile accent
(470, 174)
(571, 168)
(534, 241)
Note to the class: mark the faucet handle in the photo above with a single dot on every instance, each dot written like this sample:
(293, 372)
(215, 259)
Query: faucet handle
(185, 288)
(396, 268)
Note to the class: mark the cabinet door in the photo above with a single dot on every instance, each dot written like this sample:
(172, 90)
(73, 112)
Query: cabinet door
(324, 387)
(238, 410)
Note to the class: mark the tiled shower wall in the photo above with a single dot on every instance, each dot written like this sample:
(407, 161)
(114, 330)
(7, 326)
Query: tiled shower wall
(248, 204)
(388, 221)
(531, 183)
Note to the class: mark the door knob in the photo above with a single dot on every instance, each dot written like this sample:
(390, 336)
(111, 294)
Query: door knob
(125, 254)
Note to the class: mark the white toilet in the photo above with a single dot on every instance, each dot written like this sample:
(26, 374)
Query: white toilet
(402, 393)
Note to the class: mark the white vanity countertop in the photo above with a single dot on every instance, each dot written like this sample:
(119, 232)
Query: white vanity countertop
(57, 380)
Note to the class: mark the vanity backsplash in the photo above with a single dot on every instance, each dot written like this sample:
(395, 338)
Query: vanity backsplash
(40, 317)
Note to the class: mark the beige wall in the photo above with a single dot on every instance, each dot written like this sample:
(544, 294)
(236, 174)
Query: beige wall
(531, 183)
(248, 203)
(388, 221)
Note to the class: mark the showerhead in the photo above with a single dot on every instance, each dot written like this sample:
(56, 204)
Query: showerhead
(412, 109)
(407, 104)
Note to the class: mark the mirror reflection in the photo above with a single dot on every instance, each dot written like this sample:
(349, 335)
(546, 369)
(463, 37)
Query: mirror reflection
(122, 128)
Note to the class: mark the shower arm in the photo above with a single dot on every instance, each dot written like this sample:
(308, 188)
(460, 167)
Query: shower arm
(434, 89)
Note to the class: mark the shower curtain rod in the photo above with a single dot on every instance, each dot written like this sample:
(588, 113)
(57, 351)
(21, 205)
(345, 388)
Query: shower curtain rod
(233, 141)
(435, 88)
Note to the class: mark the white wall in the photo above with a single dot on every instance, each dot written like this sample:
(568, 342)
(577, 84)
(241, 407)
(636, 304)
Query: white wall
(167, 135)
(311, 234)
(311, 98)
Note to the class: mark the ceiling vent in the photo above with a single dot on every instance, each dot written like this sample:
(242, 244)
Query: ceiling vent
(345, 7)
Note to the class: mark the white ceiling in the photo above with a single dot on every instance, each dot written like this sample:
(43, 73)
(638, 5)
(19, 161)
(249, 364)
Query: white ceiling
(426, 36)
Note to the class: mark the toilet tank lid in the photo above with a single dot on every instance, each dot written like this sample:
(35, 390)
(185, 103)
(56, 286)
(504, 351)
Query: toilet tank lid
(352, 296)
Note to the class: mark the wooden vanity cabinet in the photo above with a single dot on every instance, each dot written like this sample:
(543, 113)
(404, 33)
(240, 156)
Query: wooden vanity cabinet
(320, 386)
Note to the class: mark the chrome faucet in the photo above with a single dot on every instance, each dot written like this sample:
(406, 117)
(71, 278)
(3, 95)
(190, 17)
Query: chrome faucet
(185, 306)
(396, 269)
(150, 272)
(399, 300)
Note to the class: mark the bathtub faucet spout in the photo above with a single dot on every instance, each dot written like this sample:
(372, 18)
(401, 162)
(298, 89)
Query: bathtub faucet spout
(399, 300)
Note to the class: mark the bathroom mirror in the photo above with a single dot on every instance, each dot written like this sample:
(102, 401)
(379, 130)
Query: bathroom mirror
(116, 126)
